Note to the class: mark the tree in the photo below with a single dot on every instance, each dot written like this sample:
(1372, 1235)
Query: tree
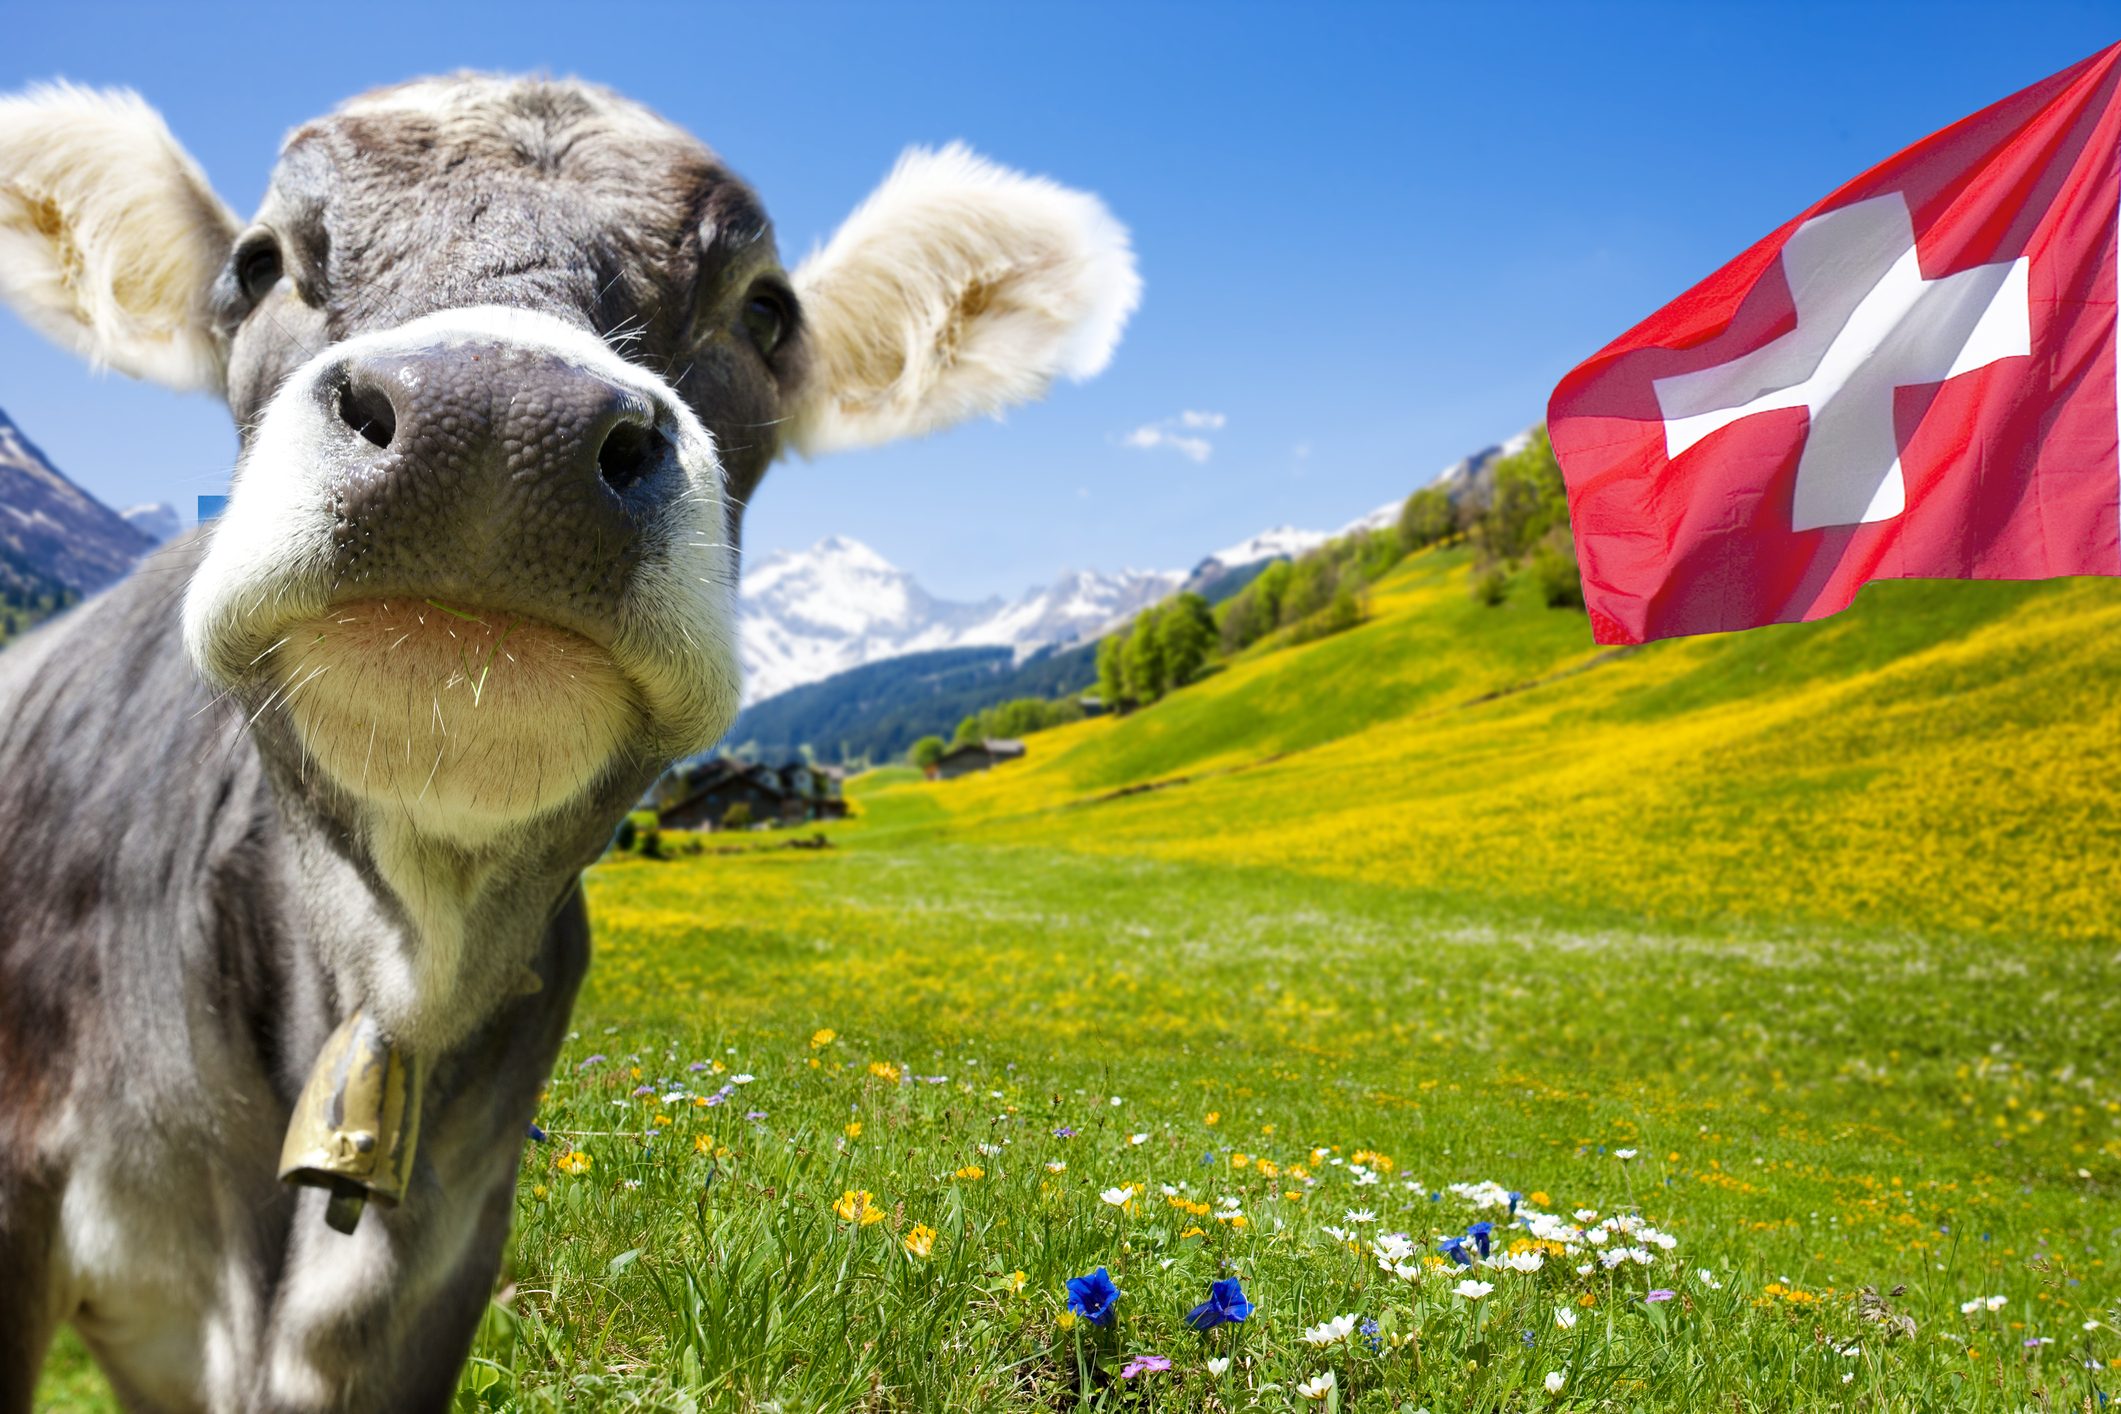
(1426, 518)
(927, 751)
(1555, 571)
(1185, 631)
(1530, 499)
(1143, 659)
(1111, 670)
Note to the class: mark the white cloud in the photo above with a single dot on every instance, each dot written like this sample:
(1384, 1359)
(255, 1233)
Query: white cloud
(1172, 432)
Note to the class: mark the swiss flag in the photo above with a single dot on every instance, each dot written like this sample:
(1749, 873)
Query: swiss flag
(1914, 378)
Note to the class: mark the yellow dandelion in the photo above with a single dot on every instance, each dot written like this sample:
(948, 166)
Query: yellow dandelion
(854, 1129)
(1212, 1117)
(858, 1205)
(1240, 1160)
(1066, 1320)
(884, 1070)
(823, 1036)
(662, 1119)
(539, 1191)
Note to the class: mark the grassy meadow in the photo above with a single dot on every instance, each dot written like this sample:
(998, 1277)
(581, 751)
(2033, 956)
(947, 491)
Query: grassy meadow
(1758, 992)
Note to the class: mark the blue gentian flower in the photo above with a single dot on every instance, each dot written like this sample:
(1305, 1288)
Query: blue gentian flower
(1455, 1249)
(1515, 1199)
(536, 1133)
(1481, 1233)
(1370, 1336)
(1092, 1297)
(1226, 1302)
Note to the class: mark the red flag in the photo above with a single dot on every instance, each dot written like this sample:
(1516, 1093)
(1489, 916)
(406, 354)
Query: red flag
(1914, 378)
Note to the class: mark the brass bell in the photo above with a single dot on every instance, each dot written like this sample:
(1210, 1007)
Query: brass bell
(357, 1122)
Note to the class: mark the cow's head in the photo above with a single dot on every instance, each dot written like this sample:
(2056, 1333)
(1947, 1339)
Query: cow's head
(507, 358)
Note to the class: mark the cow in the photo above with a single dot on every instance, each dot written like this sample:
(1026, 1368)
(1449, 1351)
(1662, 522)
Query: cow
(297, 813)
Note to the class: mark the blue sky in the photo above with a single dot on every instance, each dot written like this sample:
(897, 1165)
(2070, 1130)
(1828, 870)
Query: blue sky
(1372, 237)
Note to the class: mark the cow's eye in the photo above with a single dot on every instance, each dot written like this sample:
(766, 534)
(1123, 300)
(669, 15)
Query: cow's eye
(766, 321)
(258, 266)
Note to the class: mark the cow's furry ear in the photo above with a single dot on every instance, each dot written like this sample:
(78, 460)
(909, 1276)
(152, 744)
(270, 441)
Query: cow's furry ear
(957, 289)
(110, 237)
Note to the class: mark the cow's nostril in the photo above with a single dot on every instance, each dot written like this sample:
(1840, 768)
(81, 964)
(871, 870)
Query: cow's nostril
(368, 411)
(629, 454)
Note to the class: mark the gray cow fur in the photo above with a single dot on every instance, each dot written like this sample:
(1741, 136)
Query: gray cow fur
(180, 880)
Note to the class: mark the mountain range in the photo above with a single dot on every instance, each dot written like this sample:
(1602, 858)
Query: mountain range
(812, 614)
(53, 535)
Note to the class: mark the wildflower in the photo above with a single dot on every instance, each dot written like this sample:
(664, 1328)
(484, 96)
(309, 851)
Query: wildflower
(1455, 1249)
(1317, 1387)
(1554, 1381)
(630, 1184)
(1211, 1117)
(1056, 1166)
(1708, 1279)
(921, 1240)
(1219, 1364)
(971, 1173)
(823, 1037)
(573, 1161)
(1137, 1139)
(1092, 1297)
(1482, 1234)
(1361, 1215)
(703, 1144)
(1564, 1318)
(854, 1129)
(1065, 1320)
(1327, 1332)
(1623, 1154)
(536, 1134)
(1064, 1132)
(1226, 1303)
(1660, 1294)
(858, 1205)
(1983, 1303)
(1118, 1197)
(1524, 1261)
(884, 1070)
(1144, 1365)
(1473, 1290)
(696, 1067)
(1015, 1282)
(596, 1059)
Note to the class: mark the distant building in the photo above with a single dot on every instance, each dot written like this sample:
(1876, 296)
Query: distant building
(964, 759)
(700, 796)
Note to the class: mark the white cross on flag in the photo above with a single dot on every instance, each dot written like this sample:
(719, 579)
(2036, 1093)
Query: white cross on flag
(1916, 378)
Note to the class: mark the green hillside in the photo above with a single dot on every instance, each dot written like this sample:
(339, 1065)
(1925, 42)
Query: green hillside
(1770, 977)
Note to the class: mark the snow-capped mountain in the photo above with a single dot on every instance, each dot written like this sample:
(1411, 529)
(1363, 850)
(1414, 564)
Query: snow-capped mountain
(52, 530)
(157, 520)
(808, 615)
(838, 605)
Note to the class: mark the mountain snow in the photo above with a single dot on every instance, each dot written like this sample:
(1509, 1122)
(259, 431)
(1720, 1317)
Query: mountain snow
(157, 520)
(838, 605)
(806, 615)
